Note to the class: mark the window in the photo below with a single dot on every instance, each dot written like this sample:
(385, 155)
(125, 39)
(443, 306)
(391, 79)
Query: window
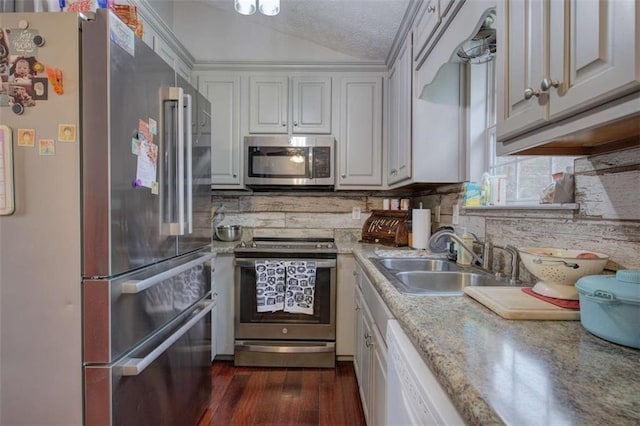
(526, 175)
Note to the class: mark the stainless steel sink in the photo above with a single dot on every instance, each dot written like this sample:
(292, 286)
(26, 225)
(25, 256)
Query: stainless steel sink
(418, 264)
(441, 283)
(433, 277)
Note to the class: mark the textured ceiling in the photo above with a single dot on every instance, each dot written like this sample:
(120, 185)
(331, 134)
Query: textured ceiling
(359, 28)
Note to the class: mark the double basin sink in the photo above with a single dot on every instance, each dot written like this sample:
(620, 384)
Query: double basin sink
(433, 277)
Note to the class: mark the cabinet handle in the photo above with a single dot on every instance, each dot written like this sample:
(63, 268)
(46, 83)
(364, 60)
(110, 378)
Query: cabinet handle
(547, 84)
(529, 93)
(431, 9)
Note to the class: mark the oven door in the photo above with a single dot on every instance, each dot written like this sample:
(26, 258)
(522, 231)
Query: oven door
(280, 325)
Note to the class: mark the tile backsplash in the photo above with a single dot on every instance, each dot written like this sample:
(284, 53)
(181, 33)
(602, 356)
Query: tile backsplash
(607, 219)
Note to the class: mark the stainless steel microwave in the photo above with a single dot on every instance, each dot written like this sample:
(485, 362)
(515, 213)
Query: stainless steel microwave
(289, 161)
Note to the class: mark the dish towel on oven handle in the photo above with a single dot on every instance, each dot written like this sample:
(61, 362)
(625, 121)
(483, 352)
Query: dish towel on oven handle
(270, 285)
(301, 286)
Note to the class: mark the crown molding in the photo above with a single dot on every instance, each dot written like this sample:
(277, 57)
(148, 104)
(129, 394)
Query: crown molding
(403, 30)
(373, 66)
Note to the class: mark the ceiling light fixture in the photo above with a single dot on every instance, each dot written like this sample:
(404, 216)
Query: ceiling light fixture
(266, 7)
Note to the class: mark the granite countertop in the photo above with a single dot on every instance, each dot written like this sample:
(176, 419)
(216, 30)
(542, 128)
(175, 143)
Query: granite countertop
(515, 372)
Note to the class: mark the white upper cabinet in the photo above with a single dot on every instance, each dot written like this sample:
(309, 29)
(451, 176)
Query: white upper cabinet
(399, 137)
(594, 53)
(223, 91)
(311, 105)
(431, 19)
(360, 136)
(557, 60)
(269, 105)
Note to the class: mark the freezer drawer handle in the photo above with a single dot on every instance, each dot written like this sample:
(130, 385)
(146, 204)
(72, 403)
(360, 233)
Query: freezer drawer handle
(135, 366)
(138, 286)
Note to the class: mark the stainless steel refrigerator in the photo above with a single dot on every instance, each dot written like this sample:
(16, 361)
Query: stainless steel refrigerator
(105, 282)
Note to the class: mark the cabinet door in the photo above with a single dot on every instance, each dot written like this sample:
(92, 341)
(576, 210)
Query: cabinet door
(268, 105)
(379, 380)
(360, 143)
(223, 278)
(399, 142)
(164, 50)
(311, 105)
(521, 65)
(224, 94)
(362, 358)
(594, 54)
(426, 23)
(345, 304)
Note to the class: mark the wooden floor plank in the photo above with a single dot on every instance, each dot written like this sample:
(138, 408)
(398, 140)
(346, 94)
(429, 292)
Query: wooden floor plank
(283, 396)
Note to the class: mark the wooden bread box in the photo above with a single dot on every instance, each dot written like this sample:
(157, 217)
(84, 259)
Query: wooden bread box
(387, 227)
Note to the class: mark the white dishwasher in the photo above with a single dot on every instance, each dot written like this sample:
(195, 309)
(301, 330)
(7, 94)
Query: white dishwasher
(414, 396)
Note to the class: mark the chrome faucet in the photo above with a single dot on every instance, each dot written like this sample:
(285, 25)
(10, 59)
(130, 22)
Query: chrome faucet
(458, 240)
(515, 262)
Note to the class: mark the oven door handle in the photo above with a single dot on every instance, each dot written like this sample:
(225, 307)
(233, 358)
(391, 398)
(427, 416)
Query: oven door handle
(285, 349)
(320, 263)
(135, 366)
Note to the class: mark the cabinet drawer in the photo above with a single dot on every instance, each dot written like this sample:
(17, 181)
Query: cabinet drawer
(427, 21)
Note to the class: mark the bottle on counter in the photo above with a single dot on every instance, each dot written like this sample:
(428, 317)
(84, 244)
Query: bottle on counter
(464, 257)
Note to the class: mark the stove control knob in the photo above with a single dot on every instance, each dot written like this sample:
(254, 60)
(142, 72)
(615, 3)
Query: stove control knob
(330, 245)
(253, 244)
(285, 331)
(243, 244)
(318, 246)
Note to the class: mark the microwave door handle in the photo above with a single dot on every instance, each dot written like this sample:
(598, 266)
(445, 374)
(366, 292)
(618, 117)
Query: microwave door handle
(135, 366)
(189, 160)
(311, 168)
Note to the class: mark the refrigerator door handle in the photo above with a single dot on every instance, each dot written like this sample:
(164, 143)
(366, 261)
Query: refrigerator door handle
(175, 195)
(138, 286)
(135, 366)
(189, 162)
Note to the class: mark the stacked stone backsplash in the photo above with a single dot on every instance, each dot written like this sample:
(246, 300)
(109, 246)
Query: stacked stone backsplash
(606, 221)
(299, 214)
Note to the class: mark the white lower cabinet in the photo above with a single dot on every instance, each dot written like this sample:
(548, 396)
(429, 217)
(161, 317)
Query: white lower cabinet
(345, 299)
(370, 357)
(223, 285)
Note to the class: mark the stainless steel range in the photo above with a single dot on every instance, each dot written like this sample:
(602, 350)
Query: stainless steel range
(285, 302)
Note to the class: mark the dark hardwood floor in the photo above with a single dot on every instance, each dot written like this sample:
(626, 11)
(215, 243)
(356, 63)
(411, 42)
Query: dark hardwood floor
(283, 396)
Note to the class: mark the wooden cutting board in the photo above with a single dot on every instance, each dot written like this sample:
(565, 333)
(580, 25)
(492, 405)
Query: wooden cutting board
(513, 303)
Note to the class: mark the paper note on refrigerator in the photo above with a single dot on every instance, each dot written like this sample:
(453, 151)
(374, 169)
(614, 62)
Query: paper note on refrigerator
(147, 164)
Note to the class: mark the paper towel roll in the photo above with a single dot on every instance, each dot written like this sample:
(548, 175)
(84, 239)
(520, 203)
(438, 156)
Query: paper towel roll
(421, 227)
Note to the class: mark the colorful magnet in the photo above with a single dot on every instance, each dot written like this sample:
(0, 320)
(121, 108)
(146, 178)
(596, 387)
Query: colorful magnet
(154, 187)
(153, 126)
(46, 147)
(137, 183)
(135, 146)
(55, 77)
(66, 132)
(26, 137)
(38, 40)
(21, 42)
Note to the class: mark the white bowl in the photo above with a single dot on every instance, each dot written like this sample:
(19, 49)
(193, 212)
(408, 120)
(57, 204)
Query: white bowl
(559, 269)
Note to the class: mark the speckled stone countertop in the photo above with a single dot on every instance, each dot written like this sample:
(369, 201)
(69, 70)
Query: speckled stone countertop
(515, 372)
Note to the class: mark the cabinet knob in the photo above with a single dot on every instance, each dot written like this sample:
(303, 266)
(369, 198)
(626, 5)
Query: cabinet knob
(431, 9)
(235, 175)
(547, 84)
(343, 176)
(529, 93)
(284, 124)
(355, 273)
(295, 123)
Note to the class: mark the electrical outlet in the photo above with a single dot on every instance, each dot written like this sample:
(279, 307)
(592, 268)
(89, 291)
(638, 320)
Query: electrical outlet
(355, 213)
